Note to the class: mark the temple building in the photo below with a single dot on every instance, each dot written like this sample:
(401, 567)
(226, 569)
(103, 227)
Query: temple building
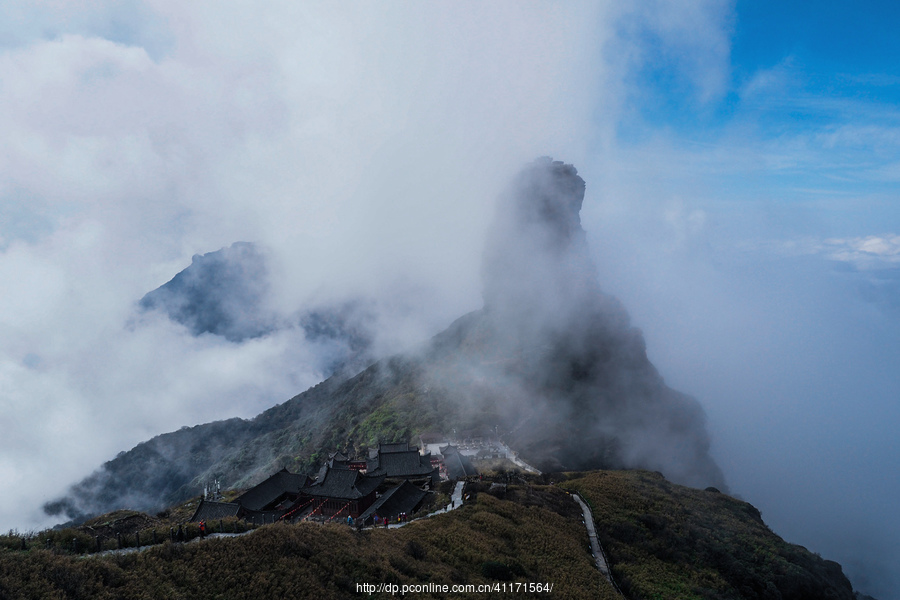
(342, 491)
(457, 466)
(265, 502)
(398, 462)
(403, 499)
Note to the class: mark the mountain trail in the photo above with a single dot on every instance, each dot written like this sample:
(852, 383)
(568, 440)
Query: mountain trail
(596, 548)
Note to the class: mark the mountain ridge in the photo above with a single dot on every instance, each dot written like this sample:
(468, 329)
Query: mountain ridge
(550, 361)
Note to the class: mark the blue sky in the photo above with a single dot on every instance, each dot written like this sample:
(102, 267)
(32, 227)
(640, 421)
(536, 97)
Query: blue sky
(818, 88)
(834, 39)
(742, 163)
(764, 226)
(838, 51)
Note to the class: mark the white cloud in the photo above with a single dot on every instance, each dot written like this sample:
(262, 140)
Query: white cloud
(691, 39)
(864, 253)
(870, 252)
(363, 145)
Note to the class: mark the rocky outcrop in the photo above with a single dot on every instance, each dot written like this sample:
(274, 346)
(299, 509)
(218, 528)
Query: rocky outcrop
(551, 363)
(565, 368)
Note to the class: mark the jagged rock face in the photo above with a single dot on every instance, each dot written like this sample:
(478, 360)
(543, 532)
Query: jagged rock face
(547, 197)
(539, 280)
(571, 374)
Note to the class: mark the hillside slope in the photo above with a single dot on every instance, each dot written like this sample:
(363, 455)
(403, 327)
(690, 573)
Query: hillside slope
(671, 541)
(664, 541)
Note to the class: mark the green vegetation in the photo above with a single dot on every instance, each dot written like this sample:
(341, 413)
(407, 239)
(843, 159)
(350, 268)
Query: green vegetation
(392, 401)
(667, 541)
(122, 529)
(533, 536)
(664, 542)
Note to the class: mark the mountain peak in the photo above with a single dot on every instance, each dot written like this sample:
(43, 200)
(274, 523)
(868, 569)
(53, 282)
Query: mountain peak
(548, 195)
(221, 293)
(536, 266)
(571, 375)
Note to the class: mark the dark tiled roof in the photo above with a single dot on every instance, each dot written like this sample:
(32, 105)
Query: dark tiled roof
(401, 464)
(334, 463)
(343, 484)
(397, 447)
(208, 511)
(388, 448)
(404, 498)
(449, 449)
(272, 489)
(458, 465)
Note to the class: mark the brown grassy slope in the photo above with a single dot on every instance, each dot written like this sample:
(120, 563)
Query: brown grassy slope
(530, 536)
(670, 542)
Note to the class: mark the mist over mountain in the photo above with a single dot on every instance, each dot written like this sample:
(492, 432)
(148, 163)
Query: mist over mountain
(221, 292)
(551, 364)
(578, 376)
(226, 293)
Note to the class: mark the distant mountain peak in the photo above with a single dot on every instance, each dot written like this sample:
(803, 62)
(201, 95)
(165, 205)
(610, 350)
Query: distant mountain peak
(221, 292)
(226, 293)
